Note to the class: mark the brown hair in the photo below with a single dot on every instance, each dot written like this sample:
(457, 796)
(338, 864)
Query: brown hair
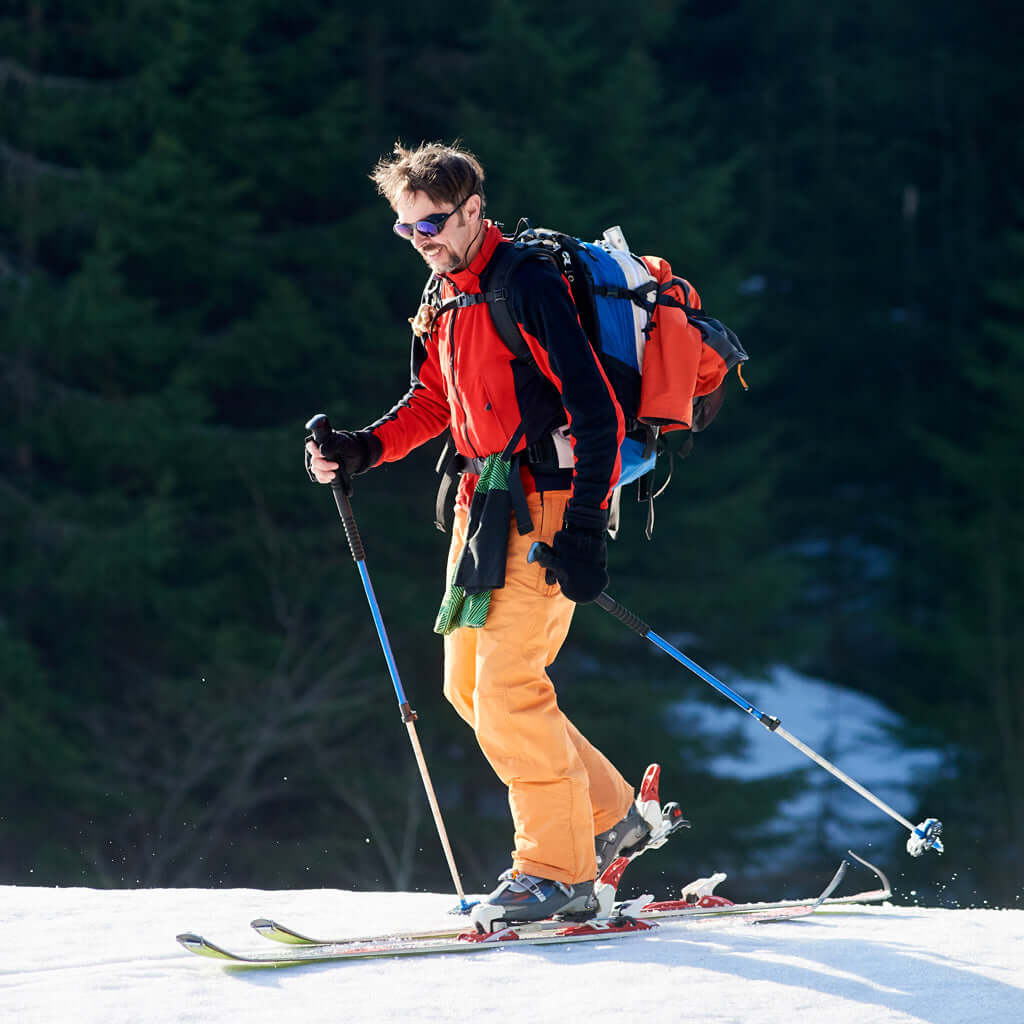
(448, 174)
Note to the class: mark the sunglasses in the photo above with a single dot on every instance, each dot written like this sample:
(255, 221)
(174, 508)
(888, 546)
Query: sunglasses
(430, 226)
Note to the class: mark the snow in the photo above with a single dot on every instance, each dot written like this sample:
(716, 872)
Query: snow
(84, 956)
(852, 730)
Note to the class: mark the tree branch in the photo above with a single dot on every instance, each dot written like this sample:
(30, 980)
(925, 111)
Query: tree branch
(10, 69)
(27, 166)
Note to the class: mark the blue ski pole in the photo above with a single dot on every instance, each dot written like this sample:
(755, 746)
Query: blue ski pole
(320, 427)
(922, 837)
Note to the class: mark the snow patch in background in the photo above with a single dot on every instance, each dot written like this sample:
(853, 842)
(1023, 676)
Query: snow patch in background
(853, 731)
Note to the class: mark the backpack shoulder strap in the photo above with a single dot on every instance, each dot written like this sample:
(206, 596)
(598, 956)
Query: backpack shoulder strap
(495, 292)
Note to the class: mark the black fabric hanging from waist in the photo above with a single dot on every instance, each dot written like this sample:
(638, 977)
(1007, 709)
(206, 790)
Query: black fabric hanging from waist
(539, 459)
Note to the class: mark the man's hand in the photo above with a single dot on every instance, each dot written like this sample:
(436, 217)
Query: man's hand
(353, 453)
(578, 556)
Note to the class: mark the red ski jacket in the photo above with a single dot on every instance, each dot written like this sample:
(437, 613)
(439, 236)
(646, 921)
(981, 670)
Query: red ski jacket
(466, 379)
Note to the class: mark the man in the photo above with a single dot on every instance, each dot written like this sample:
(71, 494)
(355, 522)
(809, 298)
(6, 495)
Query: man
(558, 426)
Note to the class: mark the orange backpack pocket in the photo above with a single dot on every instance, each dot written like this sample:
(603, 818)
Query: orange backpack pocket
(687, 354)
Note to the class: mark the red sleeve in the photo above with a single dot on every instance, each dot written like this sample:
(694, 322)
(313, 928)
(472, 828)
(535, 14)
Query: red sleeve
(422, 413)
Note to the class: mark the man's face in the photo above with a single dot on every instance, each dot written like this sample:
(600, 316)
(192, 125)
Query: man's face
(446, 251)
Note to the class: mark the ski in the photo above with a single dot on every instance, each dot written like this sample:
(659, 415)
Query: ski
(467, 942)
(548, 932)
(540, 934)
(664, 822)
(697, 900)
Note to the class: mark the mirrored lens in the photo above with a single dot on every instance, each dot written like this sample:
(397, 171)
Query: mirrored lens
(428, 227)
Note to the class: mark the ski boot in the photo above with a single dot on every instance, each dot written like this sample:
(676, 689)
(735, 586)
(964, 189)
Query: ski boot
(520, 898)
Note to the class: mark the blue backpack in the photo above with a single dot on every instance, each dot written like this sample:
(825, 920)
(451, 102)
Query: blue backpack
(617, 296)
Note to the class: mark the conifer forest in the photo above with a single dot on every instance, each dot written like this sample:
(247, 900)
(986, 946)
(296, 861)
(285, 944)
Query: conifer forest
(193, 262)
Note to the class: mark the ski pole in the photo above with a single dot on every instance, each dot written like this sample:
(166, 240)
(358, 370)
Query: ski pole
(320, 427)
(922, 837)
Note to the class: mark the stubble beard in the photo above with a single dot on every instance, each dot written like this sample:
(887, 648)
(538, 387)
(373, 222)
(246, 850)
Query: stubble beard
(444, 261)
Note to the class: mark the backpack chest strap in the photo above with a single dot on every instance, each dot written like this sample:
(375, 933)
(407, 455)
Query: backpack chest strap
(465, 299)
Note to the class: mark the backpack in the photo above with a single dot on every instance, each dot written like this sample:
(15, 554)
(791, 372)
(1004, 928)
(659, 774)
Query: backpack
(665, 358)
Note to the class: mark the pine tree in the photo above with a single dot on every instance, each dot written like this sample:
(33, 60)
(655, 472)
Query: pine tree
(154, 327)
(970, 640)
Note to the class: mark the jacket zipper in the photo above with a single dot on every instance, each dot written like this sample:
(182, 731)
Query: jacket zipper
(455, 389)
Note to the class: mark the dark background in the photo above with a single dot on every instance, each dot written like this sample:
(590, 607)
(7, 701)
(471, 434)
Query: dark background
(193, 262)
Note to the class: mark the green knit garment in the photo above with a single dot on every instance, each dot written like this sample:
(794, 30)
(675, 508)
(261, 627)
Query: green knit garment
(459, 608)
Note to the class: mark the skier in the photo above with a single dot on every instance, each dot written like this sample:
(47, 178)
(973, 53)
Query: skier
(558, 434)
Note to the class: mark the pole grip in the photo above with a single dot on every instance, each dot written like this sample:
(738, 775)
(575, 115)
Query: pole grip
(624, 615)
(541, 552)
(348, 520)
(320, 427)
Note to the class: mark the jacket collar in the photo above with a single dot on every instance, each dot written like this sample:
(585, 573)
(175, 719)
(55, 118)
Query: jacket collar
(468, 280)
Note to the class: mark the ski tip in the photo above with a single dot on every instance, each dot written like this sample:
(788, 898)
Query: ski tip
(270, 929)
(886, 890)
(201, 947)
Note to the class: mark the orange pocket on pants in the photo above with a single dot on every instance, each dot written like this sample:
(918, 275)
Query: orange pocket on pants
(547, 511)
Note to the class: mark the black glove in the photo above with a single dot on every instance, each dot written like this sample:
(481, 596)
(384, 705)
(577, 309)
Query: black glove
(355, 452)
(578, 557)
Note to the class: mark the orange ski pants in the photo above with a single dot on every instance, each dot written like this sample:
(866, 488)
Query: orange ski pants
(562, 790)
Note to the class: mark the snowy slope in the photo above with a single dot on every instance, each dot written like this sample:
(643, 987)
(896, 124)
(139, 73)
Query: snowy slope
(85, 956)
